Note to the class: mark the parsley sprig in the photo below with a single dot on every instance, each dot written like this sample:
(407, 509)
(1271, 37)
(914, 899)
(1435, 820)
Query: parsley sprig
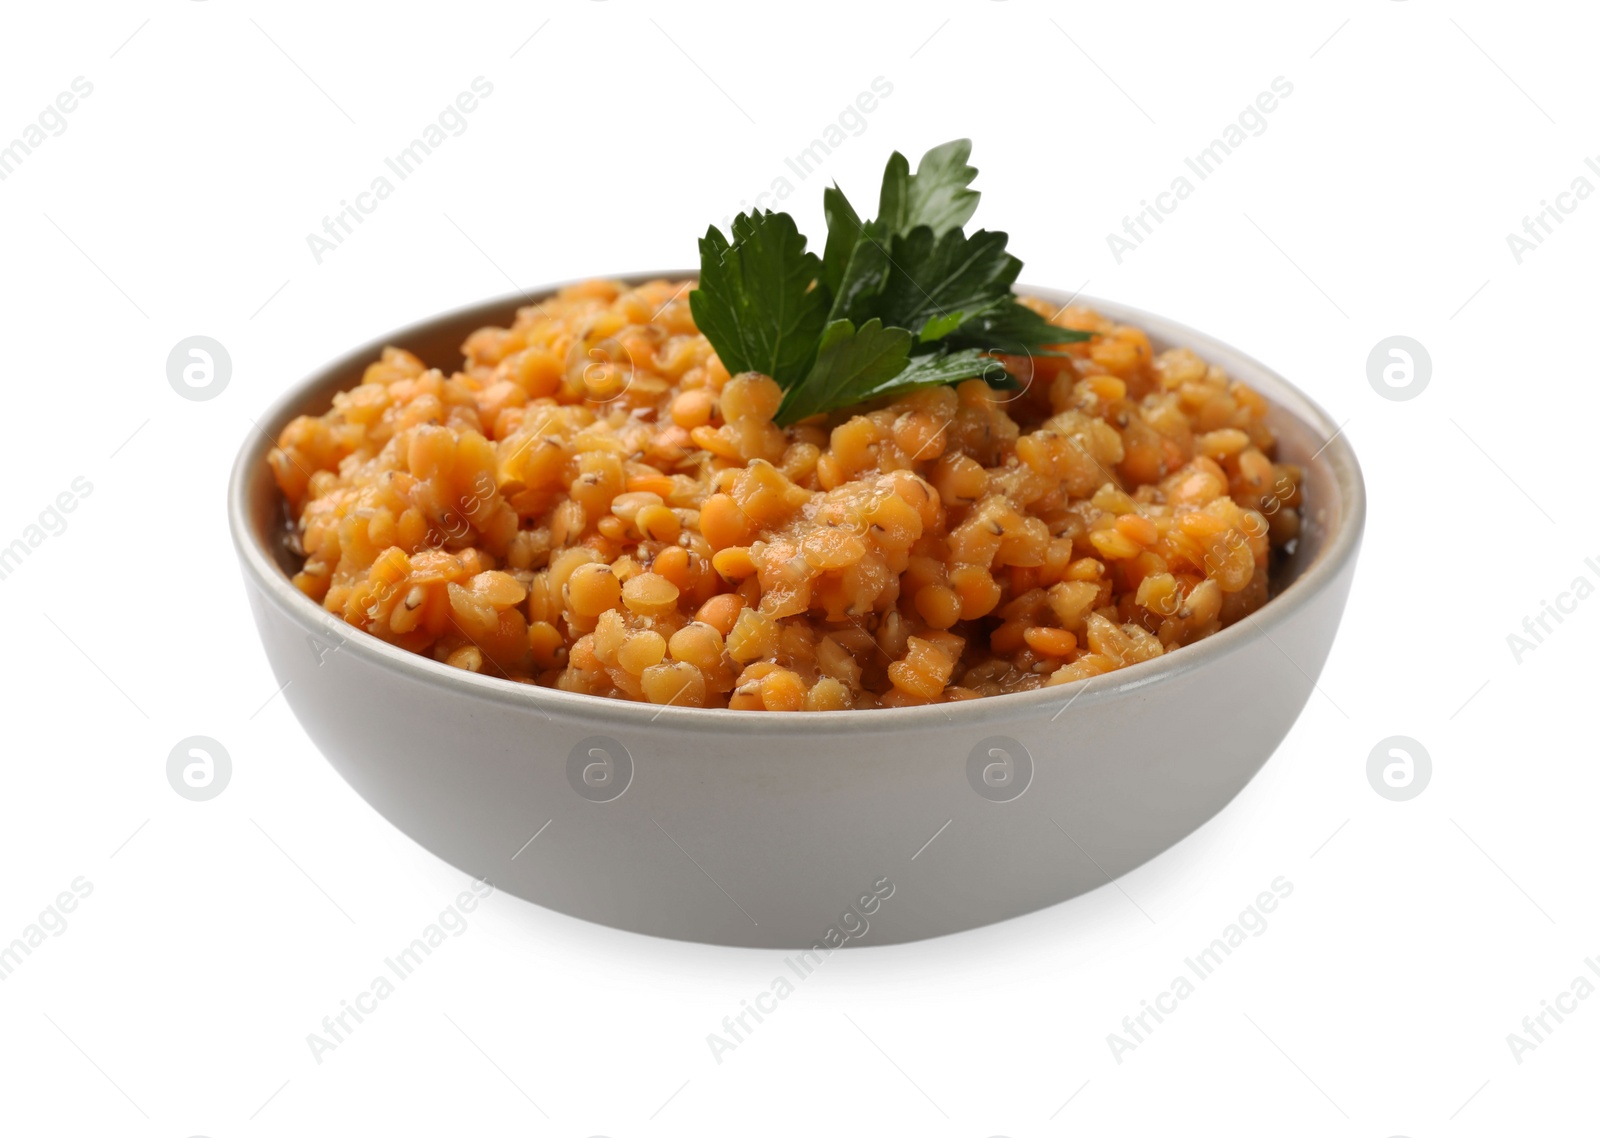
(901, 302)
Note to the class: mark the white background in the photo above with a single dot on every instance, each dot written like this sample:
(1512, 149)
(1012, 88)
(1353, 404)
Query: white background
(218, 934)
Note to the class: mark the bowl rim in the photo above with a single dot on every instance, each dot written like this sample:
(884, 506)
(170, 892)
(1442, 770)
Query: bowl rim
(262, 571)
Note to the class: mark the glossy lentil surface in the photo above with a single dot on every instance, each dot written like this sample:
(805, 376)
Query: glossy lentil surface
(590, 502)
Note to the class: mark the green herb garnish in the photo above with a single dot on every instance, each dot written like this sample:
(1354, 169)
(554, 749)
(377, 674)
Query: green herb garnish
(902, 302)
(756, 302)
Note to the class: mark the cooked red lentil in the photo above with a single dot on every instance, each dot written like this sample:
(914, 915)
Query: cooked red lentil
(592, 503)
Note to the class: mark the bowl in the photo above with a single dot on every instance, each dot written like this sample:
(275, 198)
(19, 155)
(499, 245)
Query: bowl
(799, 830)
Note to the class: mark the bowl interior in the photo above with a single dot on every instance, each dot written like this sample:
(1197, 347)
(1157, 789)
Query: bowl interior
(1334, 496)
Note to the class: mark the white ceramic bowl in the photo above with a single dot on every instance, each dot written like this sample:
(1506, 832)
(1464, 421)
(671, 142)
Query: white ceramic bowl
(786, 830)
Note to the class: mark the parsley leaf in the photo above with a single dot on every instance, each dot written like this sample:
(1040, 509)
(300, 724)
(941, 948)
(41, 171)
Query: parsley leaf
(756, 302)
(864, 276)
(931, 278)
(844, 230)
(855, 365)
(944, 367)
(1005, 326)
(936, 195)
(938, 327)
(850, 363)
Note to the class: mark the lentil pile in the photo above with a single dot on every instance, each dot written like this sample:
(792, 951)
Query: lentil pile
(592, 503)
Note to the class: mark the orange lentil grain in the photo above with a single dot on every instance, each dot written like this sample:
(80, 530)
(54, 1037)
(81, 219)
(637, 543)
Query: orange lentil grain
(1050, 641)
(721, 611)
